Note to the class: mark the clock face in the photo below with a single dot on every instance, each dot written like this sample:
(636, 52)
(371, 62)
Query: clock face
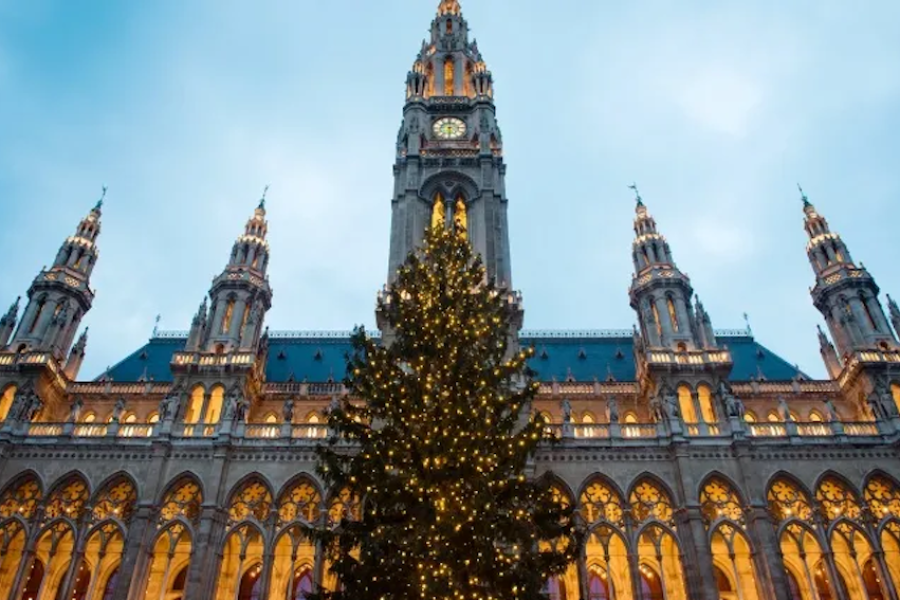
(449, 128)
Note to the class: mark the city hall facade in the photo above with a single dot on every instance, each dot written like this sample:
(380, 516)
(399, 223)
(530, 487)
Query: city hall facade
(701, 464)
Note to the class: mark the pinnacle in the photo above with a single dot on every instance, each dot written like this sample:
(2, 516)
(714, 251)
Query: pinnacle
(449, 7)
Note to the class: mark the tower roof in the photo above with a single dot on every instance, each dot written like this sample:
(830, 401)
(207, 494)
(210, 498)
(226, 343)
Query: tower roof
(449, 7)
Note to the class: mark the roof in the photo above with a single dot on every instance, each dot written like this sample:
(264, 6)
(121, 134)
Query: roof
(559, 355)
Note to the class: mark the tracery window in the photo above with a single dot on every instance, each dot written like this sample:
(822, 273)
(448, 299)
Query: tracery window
(9, 394)
(22, 499)
(600, 502)
(183, 500)
(787, 501)
(673, 315)
(719, 500)
(649, 501)
(895, 392)
(344, 505)
(448, 77)
(301, 502)
(117, 500)
(67, 500)
(883, 497)
(837, 499)
(252, 500)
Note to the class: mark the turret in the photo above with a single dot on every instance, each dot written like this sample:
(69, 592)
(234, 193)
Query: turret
(845, 294)
(895, 315)
(239, 297)
(8, 323)
(829, 354)
(60, 296)
(661, 294)
(76, 356)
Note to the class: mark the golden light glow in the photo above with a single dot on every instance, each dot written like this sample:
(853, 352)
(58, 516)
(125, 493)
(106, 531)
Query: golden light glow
(460, 220)
(437, 212)
(6, 401)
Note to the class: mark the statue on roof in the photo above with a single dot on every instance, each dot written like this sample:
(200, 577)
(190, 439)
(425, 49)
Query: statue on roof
(566, 410)
(75, 410)
(612, 409)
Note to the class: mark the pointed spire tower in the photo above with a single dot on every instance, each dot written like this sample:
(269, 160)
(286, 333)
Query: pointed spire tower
(450, 150)
(662, 297)
(240, 297)
(8, 323)
(60, 296)
(895, 314)
(845, 294)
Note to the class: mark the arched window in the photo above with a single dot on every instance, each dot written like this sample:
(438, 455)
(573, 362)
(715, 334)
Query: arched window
(344, 505)
(183, 500)
(102, 554)
(67, 499)
(673, 315)
(37, 315)
(252, 500)
(89, 417)
(130, 418)
(650, 501)
(598, 588)
(21, 498)
(9, 394)
(449, 69)
(773, 417)
(226, 319)
(214, 407)
(300, 502)
(837, 499)
(153, 418)
(655, 312)
(686, 404)
(883, 497)
(815, 417)
(749, 417)
(12, 548)
(788, 501)
(556, 588)
(587, 429)
(116, 500)
(302, 585)
(270, 418)
(600, 502)
(111, 582)
(718, 500)
(195, 405)
(707, 409)
(35, 578)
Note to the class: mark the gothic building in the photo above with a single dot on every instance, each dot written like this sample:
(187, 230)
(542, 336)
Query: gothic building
(702, 465)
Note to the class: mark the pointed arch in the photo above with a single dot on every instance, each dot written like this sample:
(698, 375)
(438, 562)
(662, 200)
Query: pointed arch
(171, 557)
(601, 500)
(242, 554)
(881, 493)
(720, 500)
(343, 504)
(115, 498)
(68, 497)
(650, 498)
(788, 498)
(838, 497)
(300, 500)
(250, 499)
(560, 484)
(22, 495)
(181, 498)
(732, 553)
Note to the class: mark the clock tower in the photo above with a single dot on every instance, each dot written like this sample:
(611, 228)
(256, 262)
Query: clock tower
(450, 150)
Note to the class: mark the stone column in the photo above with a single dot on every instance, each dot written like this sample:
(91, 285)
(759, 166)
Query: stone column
(206, 549)
(27, 556)
(136, 555)
(884, 574)
(268, 557)
(698, 568)
(67, 585)
(767, 555)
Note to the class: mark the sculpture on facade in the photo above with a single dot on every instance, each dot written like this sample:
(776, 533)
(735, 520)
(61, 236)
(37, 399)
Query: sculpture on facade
(612, 409)
(885, 398)
(75, 410)
(566, 410)
(118, 409)
(733, 406)
(669, 401)
(288, 410)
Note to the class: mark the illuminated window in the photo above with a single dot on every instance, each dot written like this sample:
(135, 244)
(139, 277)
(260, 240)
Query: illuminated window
(67, 500)
(252, 500)
(116, 500)
(673, 317)
(707, 409)
(686, 404)
(787, 500)
(815, 417)
(153, 418)
(749, 417)
(132, 418)
(214, 407)
(773, 417)
(244, 318)
(883, 497)
(183, 499)
(21, 499)
(630, 418)
(656, 317)
(90, 417)
(9, 394)
(600, 502)
(448, 76)
(195, 407)
(271, 418)
(229, 312)
(837, 499)
(437, 212)
(718, 500)
(301, 502)
(895, 391)
(344, 505)
(649, 501)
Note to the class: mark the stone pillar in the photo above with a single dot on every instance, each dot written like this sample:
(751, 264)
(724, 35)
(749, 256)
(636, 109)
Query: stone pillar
(268, 557)
(136, 555)
(583, 579)
(205, 551)
(67, 585)
(698, 568)
(770, 570)
(27, 557)
(234, 328)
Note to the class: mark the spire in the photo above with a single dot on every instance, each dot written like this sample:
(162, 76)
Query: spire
(637, 195)
(99, 205)
(76, 356)
(262, 200)
(894, 311)
(8, 323)
(449, 7)
(803, 196)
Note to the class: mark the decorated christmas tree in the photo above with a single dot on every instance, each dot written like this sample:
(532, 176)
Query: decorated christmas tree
(436, 442)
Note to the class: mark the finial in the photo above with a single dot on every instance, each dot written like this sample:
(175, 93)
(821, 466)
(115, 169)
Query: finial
(449, 7)
(262, 201)
(803, 195)
(102, 198)
(747, 321)
(156, 325)
(637, 194)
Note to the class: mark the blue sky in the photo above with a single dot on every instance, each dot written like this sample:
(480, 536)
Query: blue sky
(187, 109)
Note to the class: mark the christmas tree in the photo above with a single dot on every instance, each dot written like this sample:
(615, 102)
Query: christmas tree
(437, 442)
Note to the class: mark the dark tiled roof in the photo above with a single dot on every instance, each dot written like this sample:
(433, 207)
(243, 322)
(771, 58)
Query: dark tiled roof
(319, 358)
